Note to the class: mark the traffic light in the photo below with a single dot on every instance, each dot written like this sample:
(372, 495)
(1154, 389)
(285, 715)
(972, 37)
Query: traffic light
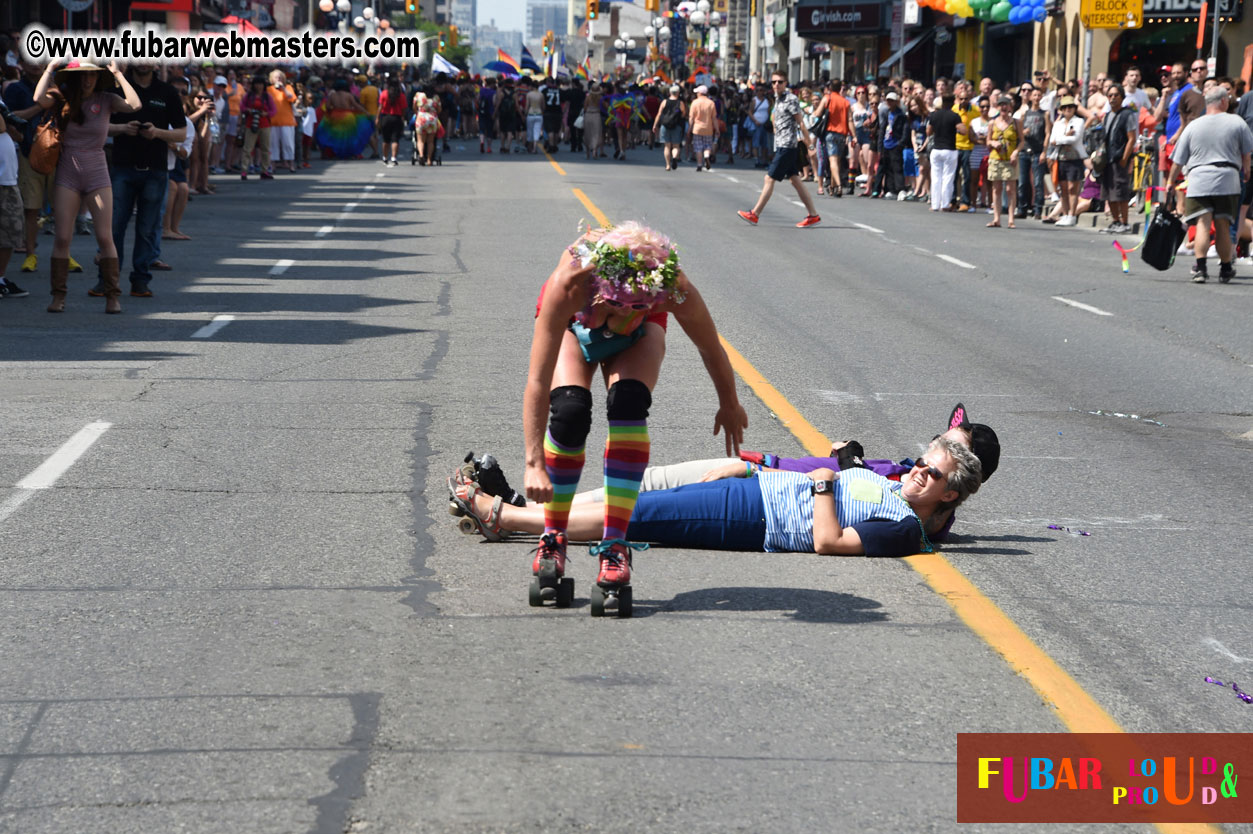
(593, 7)
(652, 5)
(548, 41)
(411, 6)
(442, 40)
(452, 36)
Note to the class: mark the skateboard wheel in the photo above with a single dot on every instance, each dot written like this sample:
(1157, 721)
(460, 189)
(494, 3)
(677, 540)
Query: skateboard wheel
(565, 592)
(454, 510)
(467, 526)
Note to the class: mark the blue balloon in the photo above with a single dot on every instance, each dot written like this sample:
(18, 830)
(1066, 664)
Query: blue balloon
(1039, 14)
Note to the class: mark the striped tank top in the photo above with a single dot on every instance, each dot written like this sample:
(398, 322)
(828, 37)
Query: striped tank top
(860, 495)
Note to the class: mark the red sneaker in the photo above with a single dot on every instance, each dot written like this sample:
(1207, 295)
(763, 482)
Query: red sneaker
(749, 216)
(810, 220)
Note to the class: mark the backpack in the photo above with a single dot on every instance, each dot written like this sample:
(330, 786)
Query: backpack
(1162, 239)
(673, 117)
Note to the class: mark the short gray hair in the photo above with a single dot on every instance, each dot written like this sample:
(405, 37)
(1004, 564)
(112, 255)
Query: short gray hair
(1216, 95)
(966, 479)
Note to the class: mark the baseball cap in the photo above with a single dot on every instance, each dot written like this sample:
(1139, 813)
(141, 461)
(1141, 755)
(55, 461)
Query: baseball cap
(701, 90)
(221, 79)
(892, 97)
(983, 440)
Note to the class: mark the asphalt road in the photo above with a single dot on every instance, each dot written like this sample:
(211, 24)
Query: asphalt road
(245, 608)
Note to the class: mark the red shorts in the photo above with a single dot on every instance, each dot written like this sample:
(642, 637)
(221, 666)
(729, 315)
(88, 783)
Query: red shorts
(656, 318)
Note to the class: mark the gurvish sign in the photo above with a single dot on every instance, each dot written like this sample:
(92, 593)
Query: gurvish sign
(818, 21)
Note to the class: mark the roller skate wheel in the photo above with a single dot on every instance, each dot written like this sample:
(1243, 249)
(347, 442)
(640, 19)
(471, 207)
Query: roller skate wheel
(454, 510)
(598, 601)
(565, 592)
(467, 526)
(536, 596)
(625, 602)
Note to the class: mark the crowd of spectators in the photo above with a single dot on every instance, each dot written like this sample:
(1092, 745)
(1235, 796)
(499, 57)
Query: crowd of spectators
(148, 159)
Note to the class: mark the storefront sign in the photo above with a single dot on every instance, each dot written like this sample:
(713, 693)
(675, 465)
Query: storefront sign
(1112, 14)
(820, 20)
(1190, 8)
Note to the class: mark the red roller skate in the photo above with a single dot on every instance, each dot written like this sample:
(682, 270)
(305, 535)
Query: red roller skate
(612, 594)
(550, 584)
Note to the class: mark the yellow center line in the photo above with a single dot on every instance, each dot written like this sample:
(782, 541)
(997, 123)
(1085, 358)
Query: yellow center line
(591, 207)
(1075, 708)
(553, 163)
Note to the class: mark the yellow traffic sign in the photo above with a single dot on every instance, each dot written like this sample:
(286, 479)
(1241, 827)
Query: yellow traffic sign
(1112, 14)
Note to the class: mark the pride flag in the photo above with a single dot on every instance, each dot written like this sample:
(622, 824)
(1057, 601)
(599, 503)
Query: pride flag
(528, 60)
(579, 72)
(502, 55)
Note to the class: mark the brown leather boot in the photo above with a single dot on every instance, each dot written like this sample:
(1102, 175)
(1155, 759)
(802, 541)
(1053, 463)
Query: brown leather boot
(60, 276)
(112, 288)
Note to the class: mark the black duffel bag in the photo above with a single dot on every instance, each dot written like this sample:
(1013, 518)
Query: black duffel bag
(1162, 239)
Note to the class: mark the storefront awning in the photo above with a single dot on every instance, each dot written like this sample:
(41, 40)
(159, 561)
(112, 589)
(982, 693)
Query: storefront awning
(904, 50)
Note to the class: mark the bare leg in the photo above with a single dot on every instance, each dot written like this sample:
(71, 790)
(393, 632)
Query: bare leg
(764, 197)
(65, 205)
(804, 195)
(1222, 239)
(100, 204)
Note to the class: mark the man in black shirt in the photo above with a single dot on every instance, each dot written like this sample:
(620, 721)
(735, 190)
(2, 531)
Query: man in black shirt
(943, 125)
(552, 114)
(139, 173)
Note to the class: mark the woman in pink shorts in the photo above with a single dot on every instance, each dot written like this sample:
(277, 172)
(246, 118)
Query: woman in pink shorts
(84, 101)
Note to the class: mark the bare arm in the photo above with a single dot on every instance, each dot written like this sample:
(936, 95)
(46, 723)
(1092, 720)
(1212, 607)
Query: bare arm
(830, 538)
(564, 295)
(43, 90)
(131, 101)
(693, 316)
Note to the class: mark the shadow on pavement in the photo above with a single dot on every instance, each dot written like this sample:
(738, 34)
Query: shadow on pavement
(804, 604)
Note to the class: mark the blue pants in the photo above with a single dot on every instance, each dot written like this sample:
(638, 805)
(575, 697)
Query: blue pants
(963, 178)
(1030, 181)
(719, 515)
(141, 192)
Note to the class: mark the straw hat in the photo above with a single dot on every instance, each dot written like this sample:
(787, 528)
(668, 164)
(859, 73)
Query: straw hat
(103, 82)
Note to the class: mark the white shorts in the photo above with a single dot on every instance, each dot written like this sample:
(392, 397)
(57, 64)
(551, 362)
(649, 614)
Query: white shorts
(534, 127)
(283, 143)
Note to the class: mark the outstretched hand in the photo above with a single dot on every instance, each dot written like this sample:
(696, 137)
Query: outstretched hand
(732, 419)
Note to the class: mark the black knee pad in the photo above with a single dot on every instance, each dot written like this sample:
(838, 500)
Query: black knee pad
(570, 415)
(629, 399)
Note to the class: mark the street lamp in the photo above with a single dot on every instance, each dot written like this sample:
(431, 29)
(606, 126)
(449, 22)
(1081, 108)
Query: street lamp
(624, 44)
(702, 18)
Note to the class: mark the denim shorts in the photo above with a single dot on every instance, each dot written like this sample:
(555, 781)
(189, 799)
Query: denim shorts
(836, 143)
(718, 515)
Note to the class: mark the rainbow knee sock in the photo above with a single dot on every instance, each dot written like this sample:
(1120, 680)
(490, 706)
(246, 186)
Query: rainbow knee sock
(626, 457)
(564, 466)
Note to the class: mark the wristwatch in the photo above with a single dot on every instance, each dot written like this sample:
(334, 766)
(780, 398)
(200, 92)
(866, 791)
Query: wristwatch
(822, 487)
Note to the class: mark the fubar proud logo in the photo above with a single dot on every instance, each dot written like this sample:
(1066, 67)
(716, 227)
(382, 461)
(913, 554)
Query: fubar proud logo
(1104, 777)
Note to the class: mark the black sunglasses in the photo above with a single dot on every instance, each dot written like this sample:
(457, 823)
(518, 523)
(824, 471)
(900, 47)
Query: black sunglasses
(930, 470)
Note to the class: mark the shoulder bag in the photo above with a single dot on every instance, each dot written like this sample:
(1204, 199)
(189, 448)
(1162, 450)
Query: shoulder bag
(45, 150)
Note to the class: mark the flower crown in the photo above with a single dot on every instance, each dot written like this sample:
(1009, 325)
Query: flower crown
(624, 275)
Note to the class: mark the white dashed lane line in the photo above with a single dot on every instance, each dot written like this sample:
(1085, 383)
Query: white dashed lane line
(213, 327)
(48, 472)
(1081, 306)
(868, 228)
(956, 261)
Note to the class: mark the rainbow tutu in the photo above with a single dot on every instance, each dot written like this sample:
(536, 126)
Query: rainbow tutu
(344, 133)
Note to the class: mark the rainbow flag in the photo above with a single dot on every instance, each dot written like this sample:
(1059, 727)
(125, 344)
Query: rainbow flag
(502, 55)
(579, 72)
(528, 60)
